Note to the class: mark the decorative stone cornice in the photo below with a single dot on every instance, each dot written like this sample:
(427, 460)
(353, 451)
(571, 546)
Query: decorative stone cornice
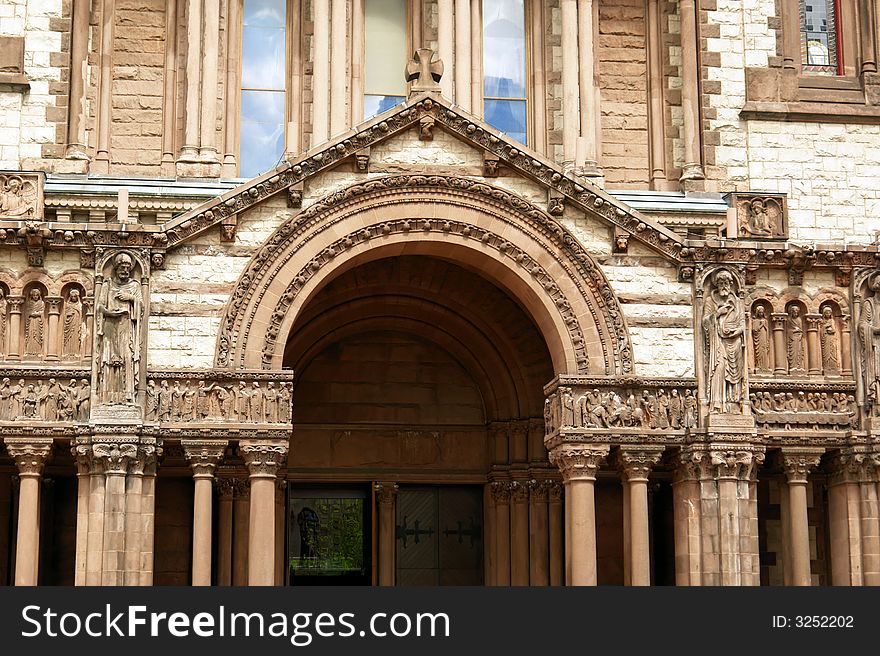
(386, 492)
(263, 458)
(204, 456)
(29, 454)
(579, 463)
(635, 464)
(797, 463)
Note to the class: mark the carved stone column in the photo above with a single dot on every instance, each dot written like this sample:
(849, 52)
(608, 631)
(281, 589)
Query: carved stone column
(101, 163)
(687, 520)
(89, 313)
(114, 458)
(539, 532)
(224, 531)
(590, 140)
(263, 458)
(445, 44)
(692, 168)
(190, 149)
(280, 522)
(519, 533)
(210, 65)
(846, 367)
(463, 54)
(556, 530)
(338, 61)
(780, 357)
(386, 494)
(488, 536)
(321, 72)
(797, 464)
(30, 455)
(570, 85)
(15, 306)
(870, 515)
(814, 351)
(578, 465)
(635, 466)
(203, 457)
(501, 493)
(656, 99)
(53, 307)
(148, 514)
(844, 520)
(83, 471)
(79, 51)
(241, 521)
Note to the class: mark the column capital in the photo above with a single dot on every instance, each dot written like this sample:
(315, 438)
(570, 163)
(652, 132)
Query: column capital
(263, 457)
(519, 491)
(500, 491)
(540, 489)
(797, 463)
(241, 488)
(204, 455)
(719, 462)
(15, 304)
(635, 463)
(579, 462)
(225, 487)
(53, 304)
(30, 453)
(386, 491)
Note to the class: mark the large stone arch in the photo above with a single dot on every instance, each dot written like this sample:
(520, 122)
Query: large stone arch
(519, 247)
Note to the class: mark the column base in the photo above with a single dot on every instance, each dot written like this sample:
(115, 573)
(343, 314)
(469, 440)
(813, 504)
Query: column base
(184, 169)
(229, 166)
(101, 164)
(692, 172)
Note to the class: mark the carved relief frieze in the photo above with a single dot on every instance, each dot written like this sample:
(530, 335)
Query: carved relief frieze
(44, 398)
(21, 196)
(760, 215)
(215, 397)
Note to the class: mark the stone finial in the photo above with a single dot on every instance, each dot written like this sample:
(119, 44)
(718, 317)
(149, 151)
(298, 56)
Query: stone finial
(424, 71)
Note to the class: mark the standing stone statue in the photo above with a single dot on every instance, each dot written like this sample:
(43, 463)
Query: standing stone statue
(119, 311)
(869, 342)
(830, 339)
(34, 326)
(83, 400)
(761, 339)
(724, 327)
(151, 401)
(71, 344)
(4, 314)
(794, 334)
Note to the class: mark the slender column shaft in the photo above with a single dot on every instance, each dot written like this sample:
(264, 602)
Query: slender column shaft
(800, 533)
(501, 490)
(867, 25)
(263, 458)
(105, 84)
(519, 533)
(845, 349)
(133, 528)
(445, 39)
(780, 361)
(785, 514)
(95, 538)
(82, 519)
(202, 509)
(489, 548)
(870, 515)
(15, 303)
(357, 61)
(52, 341)
(583, 531)
(27, 544)
(295, 97)
(112, 567)
(539, 536)
(476, 48)
(590, 113)
(687, 523)
(627, 536)
(692, 168)
(193, 65)
(386, 494)
(729, 524)
(791, 35)
(814, 351)
(224, 532)
(79, 51)
(845, 534)
(415, 12)
(169, 99)
(210, 69)
(230, 118)
(570, 89)
(463, 54)
(338, 61)
(321, 72)
(640, 569)
(539, 103)
(280, 565)
(557, 556)
(148, 523)
(241, 518)
(656, 105)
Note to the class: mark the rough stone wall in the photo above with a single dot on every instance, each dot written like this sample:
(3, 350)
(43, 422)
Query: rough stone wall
(622, 65)
(32, 123)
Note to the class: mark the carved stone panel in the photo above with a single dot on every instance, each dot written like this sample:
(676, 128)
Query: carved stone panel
(61, 398)
(759, 216)
(21, 196)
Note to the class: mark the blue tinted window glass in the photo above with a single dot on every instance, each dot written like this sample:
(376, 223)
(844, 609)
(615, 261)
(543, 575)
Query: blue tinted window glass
(375, 105)
(262, 131)
(265, 13)
(508, 116)
(504, 49)
(263, 53)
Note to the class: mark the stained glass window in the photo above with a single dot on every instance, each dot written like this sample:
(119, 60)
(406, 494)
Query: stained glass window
(263, 85)
(504, 66)
(819, 37)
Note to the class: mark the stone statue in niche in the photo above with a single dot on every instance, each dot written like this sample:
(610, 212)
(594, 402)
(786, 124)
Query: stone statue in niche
(34, 329)
(119, 312)
(724, 327)
(761, 339)
(794, 336)
(830, 339)
(4, 317)
(868, 331)
(71, 344)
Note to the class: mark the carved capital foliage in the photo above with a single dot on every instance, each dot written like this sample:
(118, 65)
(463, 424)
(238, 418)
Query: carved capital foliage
(577, 463)
(541, 490)
(636, 464)
(114, 457)
(241, 488)
(29, 454)
(263, 458)
(225, 487)
(386, 492)
(732, 462)
(555, 491)
(519, 491)
(501, 491)
(797, 463)
(203, 456)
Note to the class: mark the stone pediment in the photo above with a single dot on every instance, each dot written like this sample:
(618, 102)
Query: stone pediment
(427, 115)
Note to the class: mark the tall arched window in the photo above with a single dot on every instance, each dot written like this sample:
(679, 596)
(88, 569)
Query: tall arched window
(820, 37)
(263, 85)
(384, 55)
(504, 66)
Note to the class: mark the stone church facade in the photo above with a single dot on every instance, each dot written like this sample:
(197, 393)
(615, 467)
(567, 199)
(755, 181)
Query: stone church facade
(619, 324)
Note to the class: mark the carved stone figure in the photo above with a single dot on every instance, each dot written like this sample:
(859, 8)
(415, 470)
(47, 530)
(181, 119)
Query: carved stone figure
(724, 326)
(869, 342)
(794, 335)
(35, 325)
(567, 408)
(271, 401)
(17, 197)
(16, 392)
(6, 401)
(285, 402)
(29, 403)
(151, 401)
(761, 339)
(164, 401)
(176, 401)
(676, 408)
(188, 403)
(118, 314)
(4, 316)
(830, 342)
(242, 401)
(71, 345)
(50, 398)
(256, 405)
(83, 400)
